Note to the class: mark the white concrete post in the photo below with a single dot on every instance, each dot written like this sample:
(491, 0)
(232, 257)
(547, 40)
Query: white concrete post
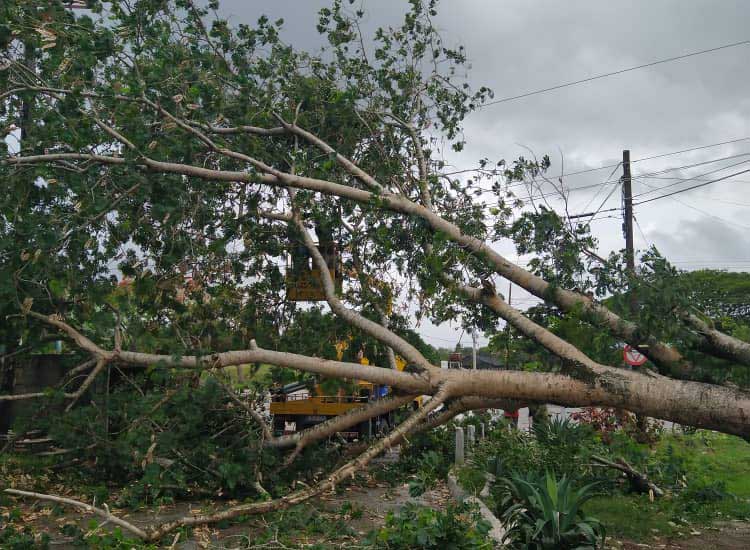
(471, 437)
(459, 446)
(481, 431)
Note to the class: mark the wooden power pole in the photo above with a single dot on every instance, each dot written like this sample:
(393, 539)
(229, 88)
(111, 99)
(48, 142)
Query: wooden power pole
(627, 226)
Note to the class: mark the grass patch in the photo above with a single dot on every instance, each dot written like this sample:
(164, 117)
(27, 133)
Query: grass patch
(716, 471)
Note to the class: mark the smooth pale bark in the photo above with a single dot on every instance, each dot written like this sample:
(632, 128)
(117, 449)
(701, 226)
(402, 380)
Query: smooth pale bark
(381, 333)
(340, 423)
(715, 407)
(717, 343)
(465, 404)
(691, 403)
(103, 512)
(584, 383)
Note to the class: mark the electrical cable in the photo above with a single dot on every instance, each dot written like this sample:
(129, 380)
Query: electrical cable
(691, 188)
(683, 180)
(601, 186)
(662, 155)
(671, 195)
(613, 73)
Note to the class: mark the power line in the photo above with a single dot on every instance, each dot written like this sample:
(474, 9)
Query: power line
(662, 155)
(692, 149)
(613, 73)
(693, 187)
(609, 179)
(673, 178)
(592, 199)
(670, 195)
(683, 180)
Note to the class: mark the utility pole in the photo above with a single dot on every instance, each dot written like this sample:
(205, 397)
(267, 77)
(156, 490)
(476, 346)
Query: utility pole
(627, 226)
(507, 328)
(474, 349)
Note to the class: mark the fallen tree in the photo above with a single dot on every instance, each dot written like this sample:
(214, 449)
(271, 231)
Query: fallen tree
(191, 159)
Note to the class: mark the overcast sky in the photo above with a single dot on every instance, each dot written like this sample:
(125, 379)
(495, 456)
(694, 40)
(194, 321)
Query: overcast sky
(516, 46)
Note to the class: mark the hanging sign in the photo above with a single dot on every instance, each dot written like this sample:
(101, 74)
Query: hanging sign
(633, 357)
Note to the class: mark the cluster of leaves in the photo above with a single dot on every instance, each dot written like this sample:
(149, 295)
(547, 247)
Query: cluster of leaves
(424, 460)
(183, 437)
(458, 527)
(605, 421)
(14, 538)
(558, 446)
(172, 235)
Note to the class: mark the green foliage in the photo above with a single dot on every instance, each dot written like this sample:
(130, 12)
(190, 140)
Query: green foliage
(203, 271)
(544, 512)
(306, 521)
(437, 443)
(102, 539)
(12, 538)
(181, 437)
(455, 528)
(430, 468)
(560, 432)
(558, 446)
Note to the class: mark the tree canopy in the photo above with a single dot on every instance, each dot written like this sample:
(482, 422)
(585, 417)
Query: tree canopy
(163, 166)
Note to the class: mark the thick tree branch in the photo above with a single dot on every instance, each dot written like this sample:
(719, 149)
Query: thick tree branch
(340, 423)
(381, 333)
(461, 405)
(105, 513)
(409, 382)
(717, 343)
(690, 403)
(659, 352)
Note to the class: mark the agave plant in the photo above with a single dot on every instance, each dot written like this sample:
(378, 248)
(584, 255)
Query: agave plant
(544, 512)
(559, 431)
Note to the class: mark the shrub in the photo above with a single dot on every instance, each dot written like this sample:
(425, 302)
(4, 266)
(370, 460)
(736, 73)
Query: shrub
(560, 446)
(456, 528)
(430, 467)
(424, 459)
(607, 421)
(13, 539)
(601, 419)
(508, 451)
(544, 512)
(560, 431)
